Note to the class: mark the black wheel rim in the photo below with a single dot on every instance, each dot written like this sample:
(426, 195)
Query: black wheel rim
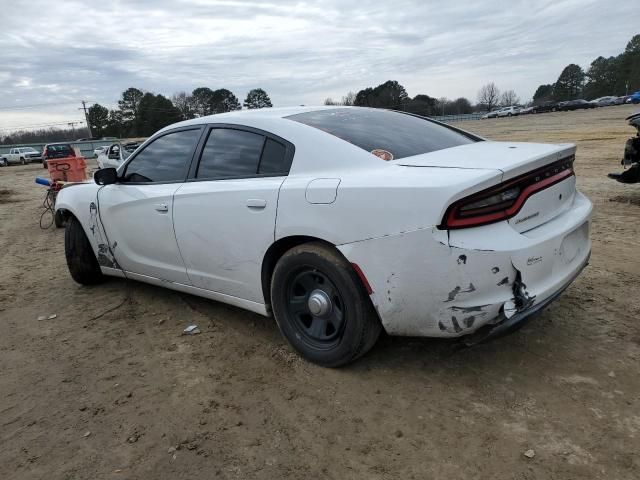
(319, 329)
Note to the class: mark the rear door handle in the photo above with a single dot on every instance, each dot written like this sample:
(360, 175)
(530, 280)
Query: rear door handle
(257, 203)
(161, 207)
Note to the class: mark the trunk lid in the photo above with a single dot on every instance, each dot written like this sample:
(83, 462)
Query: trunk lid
(512, 159)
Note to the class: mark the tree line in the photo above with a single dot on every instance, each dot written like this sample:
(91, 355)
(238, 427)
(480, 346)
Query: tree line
(619, 75)
(140, 114)
(393, 95)
(43, 135)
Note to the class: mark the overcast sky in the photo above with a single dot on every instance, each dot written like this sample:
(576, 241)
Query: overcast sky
(62, 51)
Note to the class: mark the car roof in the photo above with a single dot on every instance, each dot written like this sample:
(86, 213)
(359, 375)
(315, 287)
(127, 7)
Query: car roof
(248, 117)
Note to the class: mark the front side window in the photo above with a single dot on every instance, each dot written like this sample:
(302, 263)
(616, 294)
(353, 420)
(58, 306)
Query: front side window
(230, 153)
(166, 159)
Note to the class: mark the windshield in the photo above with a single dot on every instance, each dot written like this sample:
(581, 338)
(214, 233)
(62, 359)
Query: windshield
(387, 134)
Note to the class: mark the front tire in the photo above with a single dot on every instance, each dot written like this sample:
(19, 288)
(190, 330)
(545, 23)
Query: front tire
(82, 262)
(58, 219)
(321, 306)
(22, 161)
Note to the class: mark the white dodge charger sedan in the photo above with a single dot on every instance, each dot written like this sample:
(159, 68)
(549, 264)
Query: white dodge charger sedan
(339, 222)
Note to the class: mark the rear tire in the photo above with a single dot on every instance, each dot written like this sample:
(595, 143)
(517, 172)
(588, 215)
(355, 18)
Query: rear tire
(321, 306)
(22, 161)
(82, 262)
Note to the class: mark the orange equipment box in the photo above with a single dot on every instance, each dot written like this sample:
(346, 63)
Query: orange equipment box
(68, 169)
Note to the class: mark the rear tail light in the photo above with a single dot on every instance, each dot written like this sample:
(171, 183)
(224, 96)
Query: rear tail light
(505, 200)
(44, 153)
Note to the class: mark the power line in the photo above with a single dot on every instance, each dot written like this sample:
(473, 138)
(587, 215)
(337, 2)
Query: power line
(37, 125)
(35, 105)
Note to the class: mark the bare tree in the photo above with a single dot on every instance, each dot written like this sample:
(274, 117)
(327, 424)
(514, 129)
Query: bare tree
(488, 96)
(330, 101)
(184, 103)
(509, 98)
(349, 99)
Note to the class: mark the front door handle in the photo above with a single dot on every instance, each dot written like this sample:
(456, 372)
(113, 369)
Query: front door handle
(161, 207)
(257, 203)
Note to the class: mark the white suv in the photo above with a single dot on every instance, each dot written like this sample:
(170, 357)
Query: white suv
(508, 111)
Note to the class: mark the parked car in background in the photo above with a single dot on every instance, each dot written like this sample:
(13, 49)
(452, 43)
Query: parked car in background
(508, 111)
(99, 150)
(256, 209)
(634, 98)
(526, 110)
(579, 104)
(115, 155)
(545, 107)
(491, 114)
(605, 101)
(57, 150)
(21, 155)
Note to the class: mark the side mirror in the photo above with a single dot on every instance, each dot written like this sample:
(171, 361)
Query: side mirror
(105, 176)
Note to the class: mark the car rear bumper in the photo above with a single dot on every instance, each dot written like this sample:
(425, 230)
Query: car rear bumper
(517, 321)
(451, 284)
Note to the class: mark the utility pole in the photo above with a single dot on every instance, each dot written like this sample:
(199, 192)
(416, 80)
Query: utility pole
(86, 117)
(73, 128)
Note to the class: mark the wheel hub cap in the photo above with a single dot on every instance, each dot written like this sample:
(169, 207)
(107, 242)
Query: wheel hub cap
(319, 303)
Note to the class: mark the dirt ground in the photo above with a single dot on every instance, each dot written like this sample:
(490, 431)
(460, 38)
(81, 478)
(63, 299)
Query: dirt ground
(109, 389)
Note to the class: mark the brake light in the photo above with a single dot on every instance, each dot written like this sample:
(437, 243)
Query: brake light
(505, 200)
(44, 154)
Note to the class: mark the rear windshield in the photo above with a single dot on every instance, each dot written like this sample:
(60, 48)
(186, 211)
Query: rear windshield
(59, 148)
(387, 134)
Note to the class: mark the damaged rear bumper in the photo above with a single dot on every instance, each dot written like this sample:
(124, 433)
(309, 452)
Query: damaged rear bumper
(519, 319)
(456, 283)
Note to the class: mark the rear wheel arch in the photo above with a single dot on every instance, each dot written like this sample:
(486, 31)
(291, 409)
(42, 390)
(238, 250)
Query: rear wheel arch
(282, 246)
(275, 252)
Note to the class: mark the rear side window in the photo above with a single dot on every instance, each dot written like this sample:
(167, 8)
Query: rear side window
(165, 159)
(387, 134)
(230, 153)
(274, 159)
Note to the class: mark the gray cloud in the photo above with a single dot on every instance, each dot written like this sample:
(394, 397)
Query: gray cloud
(300, 52)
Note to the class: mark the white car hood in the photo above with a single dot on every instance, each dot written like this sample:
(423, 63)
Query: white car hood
(512, 158)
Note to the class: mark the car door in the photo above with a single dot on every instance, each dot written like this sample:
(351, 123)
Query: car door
(137, 211)
(225, 214)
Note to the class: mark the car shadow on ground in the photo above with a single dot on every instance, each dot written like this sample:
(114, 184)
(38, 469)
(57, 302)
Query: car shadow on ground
(395, 353)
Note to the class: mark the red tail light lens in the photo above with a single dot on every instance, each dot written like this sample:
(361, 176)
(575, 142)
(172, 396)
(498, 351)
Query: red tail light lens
(505, 200)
